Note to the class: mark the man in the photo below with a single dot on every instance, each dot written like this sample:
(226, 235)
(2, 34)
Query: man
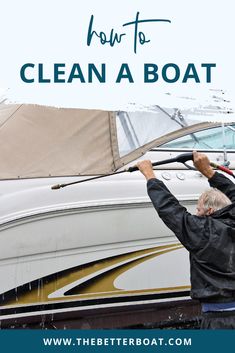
(209, 237)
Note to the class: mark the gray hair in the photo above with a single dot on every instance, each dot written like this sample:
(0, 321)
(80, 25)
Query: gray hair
(213, 198)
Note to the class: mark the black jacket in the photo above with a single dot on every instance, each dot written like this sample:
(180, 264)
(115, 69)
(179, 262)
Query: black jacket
(209, 239)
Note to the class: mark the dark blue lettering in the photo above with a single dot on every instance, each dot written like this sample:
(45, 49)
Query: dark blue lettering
(113, 38)
(92, 69)
(41, 79)
(76, 72)
(58, 72)
(124, 72)
(208, 71)
(150, 70)
(142, 38)
(194, 75)
(22, 73)
(176, 75)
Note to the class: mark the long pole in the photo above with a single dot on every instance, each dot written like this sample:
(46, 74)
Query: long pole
(182, 158)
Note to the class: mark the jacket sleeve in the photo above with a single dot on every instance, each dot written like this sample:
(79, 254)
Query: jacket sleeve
(189, 229)
(220, 182)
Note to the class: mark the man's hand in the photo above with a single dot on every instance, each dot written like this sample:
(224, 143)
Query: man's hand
(146, 168)
(202, 163)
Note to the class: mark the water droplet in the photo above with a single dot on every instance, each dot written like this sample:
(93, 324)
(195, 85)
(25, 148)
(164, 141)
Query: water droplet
(16, 293)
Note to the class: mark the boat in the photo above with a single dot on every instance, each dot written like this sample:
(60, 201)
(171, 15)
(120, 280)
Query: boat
(98, 246)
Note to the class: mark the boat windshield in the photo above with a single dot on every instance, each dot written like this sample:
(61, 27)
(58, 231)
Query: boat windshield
(135, 129)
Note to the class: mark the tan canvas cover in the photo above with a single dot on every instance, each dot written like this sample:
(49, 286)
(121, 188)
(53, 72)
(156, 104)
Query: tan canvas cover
(39, 141)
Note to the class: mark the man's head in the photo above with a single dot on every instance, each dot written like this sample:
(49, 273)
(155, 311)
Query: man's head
(210, 201)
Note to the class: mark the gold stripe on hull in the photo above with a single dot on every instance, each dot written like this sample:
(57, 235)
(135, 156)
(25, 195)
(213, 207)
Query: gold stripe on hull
(96, 279)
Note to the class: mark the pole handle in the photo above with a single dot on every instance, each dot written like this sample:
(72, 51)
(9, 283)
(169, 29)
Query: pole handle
(182, 158)
(132, 169)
